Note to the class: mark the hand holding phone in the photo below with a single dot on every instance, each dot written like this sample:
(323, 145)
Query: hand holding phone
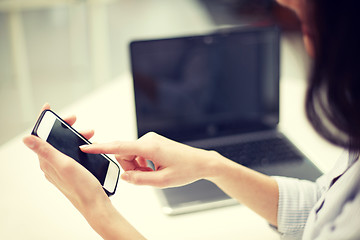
(51, 128)
(77, 183)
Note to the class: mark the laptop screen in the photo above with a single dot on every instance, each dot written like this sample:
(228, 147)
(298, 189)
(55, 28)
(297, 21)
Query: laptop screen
(196, 87)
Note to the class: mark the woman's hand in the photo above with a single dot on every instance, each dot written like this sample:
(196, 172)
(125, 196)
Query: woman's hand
(83, 190)
(72, 179)
(175, 164)
(81, 187)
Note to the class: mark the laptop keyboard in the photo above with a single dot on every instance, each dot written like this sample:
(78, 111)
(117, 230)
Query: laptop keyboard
(260, 152)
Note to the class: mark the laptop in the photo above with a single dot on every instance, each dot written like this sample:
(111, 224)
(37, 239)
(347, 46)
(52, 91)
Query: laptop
(217, 91)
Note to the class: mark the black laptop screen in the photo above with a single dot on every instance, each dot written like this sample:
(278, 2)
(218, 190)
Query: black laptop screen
(210, 85)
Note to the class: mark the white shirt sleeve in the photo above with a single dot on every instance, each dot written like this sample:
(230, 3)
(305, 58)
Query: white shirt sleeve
(296, 199)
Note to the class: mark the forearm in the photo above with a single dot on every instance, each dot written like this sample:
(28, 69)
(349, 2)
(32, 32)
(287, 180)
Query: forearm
(178, 164)
(253, 189)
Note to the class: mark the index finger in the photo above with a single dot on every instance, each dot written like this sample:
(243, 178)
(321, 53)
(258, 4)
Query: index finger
(119, 148)
(46, 106)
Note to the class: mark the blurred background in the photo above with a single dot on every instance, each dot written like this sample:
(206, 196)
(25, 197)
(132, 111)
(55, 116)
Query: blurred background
(57, 51)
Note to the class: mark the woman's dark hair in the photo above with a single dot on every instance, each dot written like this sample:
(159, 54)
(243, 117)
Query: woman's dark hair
(333, 94)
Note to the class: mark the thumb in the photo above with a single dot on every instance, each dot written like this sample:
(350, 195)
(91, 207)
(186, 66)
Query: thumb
(41, 148)
(152, 178)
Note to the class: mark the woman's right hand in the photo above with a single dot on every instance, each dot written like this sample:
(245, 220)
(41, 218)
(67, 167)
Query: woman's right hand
(175, 164)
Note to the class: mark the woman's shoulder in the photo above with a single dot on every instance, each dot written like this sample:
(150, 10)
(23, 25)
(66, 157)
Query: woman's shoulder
(337, 213)
(344, 162)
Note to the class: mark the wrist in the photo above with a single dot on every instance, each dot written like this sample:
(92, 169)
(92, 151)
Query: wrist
(109, 223)
(99, 214)
(215, 166)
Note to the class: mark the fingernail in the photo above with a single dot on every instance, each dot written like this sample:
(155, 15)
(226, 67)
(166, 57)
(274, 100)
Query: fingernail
(84, 146)
(125, 176)
(46, 105)
(29, 142)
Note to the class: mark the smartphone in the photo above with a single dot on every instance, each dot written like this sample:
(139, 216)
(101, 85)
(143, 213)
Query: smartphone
(51, 128)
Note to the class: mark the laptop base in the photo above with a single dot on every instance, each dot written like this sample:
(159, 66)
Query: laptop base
(204, 195)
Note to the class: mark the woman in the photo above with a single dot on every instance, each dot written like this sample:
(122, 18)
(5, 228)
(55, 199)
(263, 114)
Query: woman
(327, 209)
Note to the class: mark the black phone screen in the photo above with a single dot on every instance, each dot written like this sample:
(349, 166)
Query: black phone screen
(67, 142)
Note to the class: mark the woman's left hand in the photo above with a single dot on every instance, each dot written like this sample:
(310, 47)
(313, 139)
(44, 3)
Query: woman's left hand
(73, 180)
(81, 187)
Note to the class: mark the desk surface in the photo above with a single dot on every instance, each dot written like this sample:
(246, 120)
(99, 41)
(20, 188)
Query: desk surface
(31, 208)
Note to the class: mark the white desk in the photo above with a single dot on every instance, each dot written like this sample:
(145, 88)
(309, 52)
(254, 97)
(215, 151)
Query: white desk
(31, 208)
